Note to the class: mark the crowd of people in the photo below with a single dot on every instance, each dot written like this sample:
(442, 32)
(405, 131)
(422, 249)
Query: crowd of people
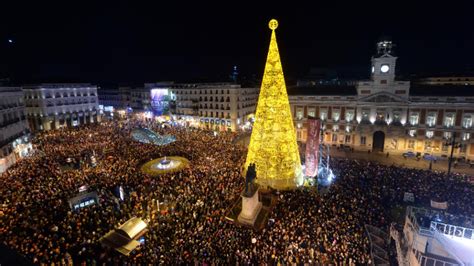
(304, 227)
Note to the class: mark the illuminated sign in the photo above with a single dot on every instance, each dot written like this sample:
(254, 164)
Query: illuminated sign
(159, 101)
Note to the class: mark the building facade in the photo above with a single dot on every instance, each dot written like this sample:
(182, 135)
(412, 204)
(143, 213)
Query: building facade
(53, 106)
(14, 131)
(216, 106)
(389, 115)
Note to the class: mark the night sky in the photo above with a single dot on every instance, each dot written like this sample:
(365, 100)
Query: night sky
(133, 42)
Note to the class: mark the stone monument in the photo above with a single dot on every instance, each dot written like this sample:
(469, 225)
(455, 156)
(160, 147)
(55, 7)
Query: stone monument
(251, 204)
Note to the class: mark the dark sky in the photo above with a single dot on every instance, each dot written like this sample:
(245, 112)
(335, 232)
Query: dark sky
(131, 41)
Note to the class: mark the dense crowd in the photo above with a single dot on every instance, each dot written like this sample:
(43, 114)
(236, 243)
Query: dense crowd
(304, 227)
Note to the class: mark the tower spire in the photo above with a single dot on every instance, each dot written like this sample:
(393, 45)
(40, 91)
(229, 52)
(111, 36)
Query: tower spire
(273, 146)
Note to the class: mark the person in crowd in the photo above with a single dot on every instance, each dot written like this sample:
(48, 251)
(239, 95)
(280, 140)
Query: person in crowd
(304, 227)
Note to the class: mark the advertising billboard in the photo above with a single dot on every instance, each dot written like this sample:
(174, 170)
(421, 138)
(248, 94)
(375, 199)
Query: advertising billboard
(159, 101)
(312, 147)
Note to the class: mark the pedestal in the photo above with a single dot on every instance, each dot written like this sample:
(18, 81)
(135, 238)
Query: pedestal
(251, 206)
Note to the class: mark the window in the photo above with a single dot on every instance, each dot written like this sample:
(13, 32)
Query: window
(349, 115)
(428, 145)
(429, 134)
(362, 140)
(444, 148)
(365, 114)
(348, 138)
(413, 119)
(467, 121)
(324, 114)
(431, 119)
(298, 134)
(336, 115)
(411, 144)
(299, 114)
(449, 120)
(299, 125)
(396, 116)
(334, 137)
(463, 148)
(412, 132)
(348, 129)
(311, 112)
(393, 144)
(335, 128)
(466, 136)
(447, 135)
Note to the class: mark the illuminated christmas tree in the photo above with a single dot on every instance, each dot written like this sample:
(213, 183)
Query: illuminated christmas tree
(273, 146)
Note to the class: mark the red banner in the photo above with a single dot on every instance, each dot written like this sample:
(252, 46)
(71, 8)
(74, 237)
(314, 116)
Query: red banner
(312, 147)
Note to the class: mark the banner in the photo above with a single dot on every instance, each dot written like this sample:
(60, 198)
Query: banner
(312, 147)
(439, 205)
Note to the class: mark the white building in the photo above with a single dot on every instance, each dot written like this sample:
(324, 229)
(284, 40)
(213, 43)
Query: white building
(217, 106)
(52, 106)
(434, 238)
(390, 115)
(14, 131)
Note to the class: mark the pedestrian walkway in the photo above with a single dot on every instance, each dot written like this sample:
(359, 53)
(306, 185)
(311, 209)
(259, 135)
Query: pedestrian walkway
(399, 160)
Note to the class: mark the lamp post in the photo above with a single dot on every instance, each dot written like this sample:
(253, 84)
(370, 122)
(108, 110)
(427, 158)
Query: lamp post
(452, 142)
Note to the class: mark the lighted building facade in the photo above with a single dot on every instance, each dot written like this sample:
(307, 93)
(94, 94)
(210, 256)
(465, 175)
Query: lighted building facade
(273, 147)
(216, 106)
(389, 115)
(14, 131)
(51, 106)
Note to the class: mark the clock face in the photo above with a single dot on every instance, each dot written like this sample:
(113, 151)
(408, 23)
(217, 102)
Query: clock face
(384, 68)
(373, 69)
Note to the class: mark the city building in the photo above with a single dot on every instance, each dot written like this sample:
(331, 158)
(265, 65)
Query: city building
(432, 237)
(217, 106)
(387, 114)
(14, 131)
(110, 101)
(447, 80)
(52, 106)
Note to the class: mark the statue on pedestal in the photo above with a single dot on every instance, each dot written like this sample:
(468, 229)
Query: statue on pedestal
(249, 179)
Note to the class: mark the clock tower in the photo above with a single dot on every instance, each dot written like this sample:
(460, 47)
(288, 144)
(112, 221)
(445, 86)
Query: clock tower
(383, 63)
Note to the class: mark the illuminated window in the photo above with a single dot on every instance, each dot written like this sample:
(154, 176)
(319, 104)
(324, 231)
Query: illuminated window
(362, 140)
(431, 119)
(336, 115)
(449, 120)
(447, 135)
(311, 112)
(348, 138)
(323, 114)
(429, 134)
(396, 116)
(335, 127)
(334, 137)
(348, 129)
(414, 119)
(428, 145)
(299, 125)
(466, 136)
(349, 115)
(365, 114)
(467, 122)
(299, 114)
(411, 144)
(412, 132)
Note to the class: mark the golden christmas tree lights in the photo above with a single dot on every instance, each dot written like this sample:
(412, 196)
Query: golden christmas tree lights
(273, 146)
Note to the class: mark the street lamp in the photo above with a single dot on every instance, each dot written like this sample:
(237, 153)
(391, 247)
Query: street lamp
(454, 145)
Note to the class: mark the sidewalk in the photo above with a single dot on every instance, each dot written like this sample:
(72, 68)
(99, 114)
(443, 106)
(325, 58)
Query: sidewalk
(397, 159)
